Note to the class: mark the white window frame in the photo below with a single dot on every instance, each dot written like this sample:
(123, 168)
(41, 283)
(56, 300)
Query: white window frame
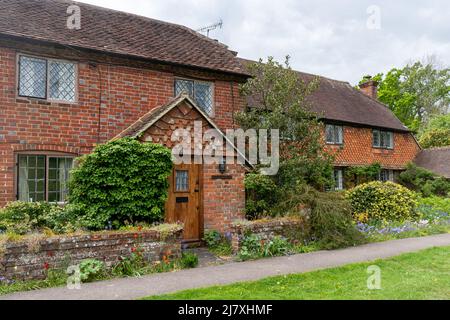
(340, 175)
(213, 91)
(47, 156)
(334, 126)
(390, 175)
(380, 133)
(47, 85)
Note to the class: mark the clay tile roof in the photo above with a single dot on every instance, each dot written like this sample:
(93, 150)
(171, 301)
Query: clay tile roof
(436, 160)
(338, 101)
(115, 32)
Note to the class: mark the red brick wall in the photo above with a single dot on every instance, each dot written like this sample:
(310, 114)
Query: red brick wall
(110, 98)
(223, 199)
(357, 149)
(30, 257)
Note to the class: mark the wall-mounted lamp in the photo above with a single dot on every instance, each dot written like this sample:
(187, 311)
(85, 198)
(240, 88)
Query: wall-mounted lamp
(222, 165)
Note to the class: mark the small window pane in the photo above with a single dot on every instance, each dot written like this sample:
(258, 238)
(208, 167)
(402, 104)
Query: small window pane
(338, 178)
(32, 77)
(62, 81)
(329, 133)
(59, 175)
(203, 96)
(376, 138)
(184, 86)
(389, 139)
(181, 180)
(339, 134)
(31, 184)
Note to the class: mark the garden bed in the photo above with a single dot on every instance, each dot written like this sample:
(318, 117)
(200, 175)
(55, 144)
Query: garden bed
(32, 256)
(292, 228)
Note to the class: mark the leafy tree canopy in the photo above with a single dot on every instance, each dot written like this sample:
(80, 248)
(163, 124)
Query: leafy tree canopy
(436, 133)
(277, 99)
(416, 92)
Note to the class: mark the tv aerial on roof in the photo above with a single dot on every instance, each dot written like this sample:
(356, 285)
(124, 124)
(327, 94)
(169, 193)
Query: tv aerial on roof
(207, 29)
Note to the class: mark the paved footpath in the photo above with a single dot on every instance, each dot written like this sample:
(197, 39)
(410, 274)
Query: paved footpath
(134, 288)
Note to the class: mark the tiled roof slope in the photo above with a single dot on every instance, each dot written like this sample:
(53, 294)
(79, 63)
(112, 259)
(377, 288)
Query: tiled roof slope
(436, 160)
(115, 32)
(339, 101)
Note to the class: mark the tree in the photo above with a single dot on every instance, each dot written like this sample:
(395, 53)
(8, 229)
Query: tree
(278, 100)
(416, 92)
(436, 133)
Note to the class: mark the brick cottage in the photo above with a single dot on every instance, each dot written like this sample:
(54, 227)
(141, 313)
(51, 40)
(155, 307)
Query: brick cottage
(64, 90)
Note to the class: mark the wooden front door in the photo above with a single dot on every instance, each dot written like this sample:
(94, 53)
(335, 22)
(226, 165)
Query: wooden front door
(184, 201)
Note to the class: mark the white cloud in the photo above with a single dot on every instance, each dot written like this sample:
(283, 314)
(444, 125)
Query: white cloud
(329, 38)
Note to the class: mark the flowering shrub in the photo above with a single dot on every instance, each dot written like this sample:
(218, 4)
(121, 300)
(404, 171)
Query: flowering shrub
(383, 201)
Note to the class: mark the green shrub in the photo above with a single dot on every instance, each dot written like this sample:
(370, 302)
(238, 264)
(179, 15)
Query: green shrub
(91, 269)
(329, 221)
(217, 243)
(24, 217)
(434, 209)
(253, 247)
(212, 238)
(189, 260)
(261, 193)
(122, 181)
(64, 219)
(384, 201)
(426, 182)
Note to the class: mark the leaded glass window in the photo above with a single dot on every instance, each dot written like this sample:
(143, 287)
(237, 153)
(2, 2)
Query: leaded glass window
(32, 77)
(334, 134)
(62, 81)
(47, 79)
(201, 92)
(383, 139)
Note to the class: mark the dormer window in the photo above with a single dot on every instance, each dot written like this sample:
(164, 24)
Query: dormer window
(200, 91)
(383, 139)
(334, 134)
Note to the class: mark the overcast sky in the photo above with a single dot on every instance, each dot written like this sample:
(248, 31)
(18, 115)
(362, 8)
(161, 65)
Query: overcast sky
(329, 38)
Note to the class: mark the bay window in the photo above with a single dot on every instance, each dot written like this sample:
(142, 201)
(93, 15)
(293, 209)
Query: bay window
(43, 177)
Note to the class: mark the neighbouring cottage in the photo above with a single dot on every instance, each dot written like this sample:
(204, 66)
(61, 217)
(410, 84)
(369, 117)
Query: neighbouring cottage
(360, 130)
(63, 91)
(437, 160)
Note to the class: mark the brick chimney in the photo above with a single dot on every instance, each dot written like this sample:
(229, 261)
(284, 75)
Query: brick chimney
(370, 88)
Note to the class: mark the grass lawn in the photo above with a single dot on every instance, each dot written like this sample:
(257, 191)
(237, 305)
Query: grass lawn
(421, 275)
